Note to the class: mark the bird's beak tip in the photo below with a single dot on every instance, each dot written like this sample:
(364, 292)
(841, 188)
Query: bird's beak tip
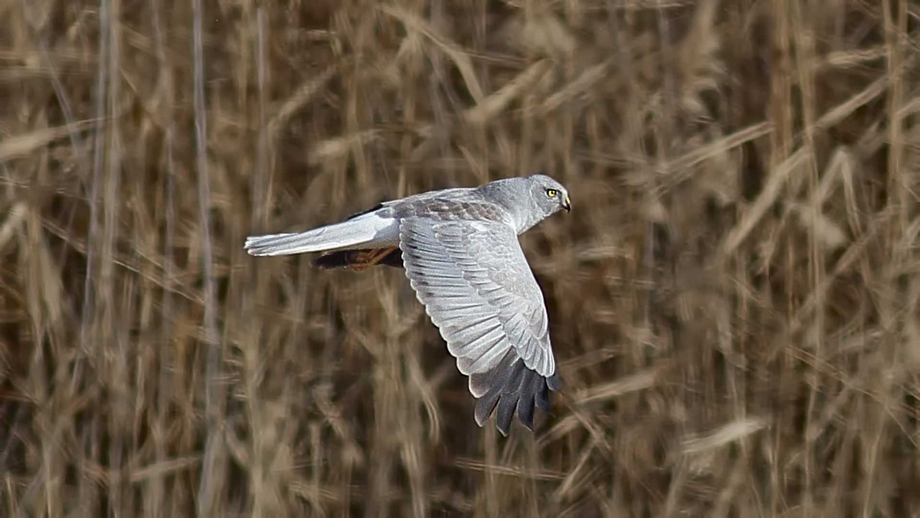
(567, 204)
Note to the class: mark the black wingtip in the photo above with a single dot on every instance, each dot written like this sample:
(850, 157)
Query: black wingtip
(525, 412)
(358, 259)
(511, 388)
(331, 260)
(485, 406)
(505, 415)
(553, 382)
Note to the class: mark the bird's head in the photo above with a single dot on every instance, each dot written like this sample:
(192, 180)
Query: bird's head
(549, 195)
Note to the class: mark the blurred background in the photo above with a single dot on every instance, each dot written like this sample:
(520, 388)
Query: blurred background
(733, 300)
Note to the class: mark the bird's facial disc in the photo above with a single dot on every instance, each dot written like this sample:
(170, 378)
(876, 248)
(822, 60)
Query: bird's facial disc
(549, 195)
(559, 197)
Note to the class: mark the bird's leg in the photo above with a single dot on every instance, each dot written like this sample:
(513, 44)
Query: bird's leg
(358, 260)
(364, 259)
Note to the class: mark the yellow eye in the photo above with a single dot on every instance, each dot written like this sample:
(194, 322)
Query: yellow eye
(552, 193)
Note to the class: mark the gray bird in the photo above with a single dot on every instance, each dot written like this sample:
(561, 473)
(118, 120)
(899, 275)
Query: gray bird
(460, 251)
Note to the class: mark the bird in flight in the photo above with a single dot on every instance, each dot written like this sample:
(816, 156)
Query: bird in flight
(460, 250)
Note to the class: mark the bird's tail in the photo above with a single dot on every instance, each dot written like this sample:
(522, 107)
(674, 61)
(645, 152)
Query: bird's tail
(365, 229)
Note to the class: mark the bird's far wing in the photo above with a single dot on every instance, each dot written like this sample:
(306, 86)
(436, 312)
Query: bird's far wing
(478, 289)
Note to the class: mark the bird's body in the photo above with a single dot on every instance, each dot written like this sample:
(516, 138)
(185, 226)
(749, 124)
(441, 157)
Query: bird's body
(460, 250)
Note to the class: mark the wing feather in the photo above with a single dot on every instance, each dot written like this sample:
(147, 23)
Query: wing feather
(478, 289)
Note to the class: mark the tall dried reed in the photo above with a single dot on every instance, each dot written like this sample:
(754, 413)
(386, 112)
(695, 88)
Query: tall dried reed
(733, 301)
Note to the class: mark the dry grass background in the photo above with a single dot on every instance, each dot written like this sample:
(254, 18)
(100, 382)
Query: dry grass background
(733, 300)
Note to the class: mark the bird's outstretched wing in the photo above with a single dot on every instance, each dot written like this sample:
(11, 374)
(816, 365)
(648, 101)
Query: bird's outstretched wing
(478, 289)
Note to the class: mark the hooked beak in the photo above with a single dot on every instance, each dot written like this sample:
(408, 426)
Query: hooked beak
(566, 203)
